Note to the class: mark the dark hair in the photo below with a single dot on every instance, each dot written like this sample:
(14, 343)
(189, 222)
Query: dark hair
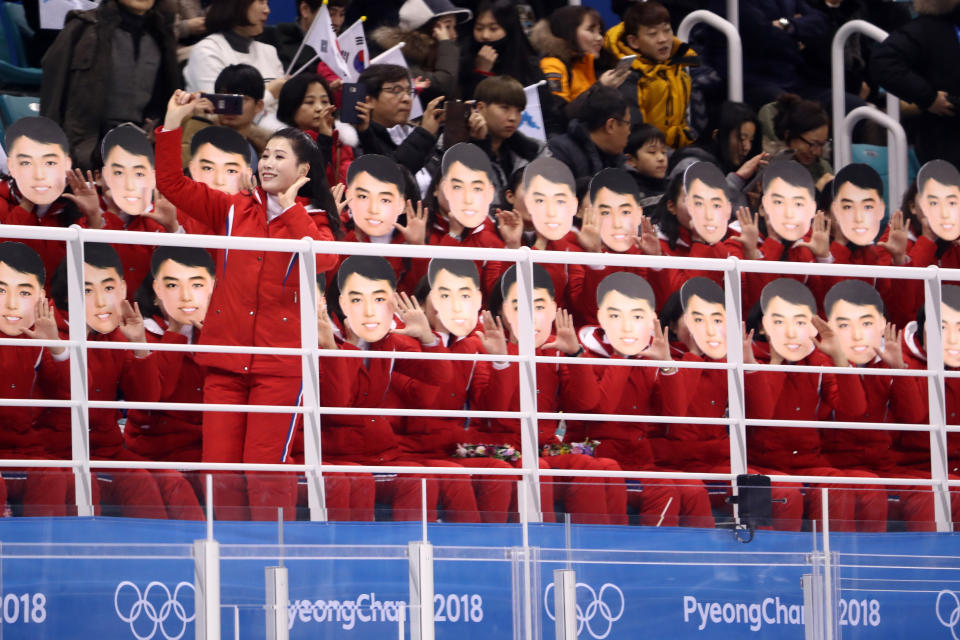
(38, 129)
(730, 117)
(671, 310)
(223, 138)
(950, 296)
(129, 138)
(242, 79)
(644, 14)
(317, 189)
(422, 290)
(370, 267)
(596, 105)
(707, 173)
(551, 170)
(855, 292)
(565, 21)
(629, 284)
(908, 204)
(379, 167)
(859, 175)
(501, 90)
(377, 75)
(702, 287)
(541, 280)
(788, 290)
(313, 4)
(796, 116)
(23, 259)
(640, 136)
(515, 56)
(293, 92)
(101, 255)
(616, 180)
(224, 15)
(665, 220)
(791, 172)
(469, 155)
(939, 170)
(187, 256)
(459, 268)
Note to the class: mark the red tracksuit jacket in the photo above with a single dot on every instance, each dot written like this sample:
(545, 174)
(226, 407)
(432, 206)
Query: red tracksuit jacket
(778, 395)
(408, 270)
(110, 372)
(774, 251)
(169, 435)
(583, 283)
(255, 300)
(484, 236)
(381, 382)
(670, 280)
(28, 372)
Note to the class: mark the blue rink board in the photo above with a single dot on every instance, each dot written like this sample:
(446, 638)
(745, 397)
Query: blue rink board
(60, 595)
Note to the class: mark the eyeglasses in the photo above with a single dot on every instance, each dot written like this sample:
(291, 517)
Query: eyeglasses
(400, 90)
(816, 145)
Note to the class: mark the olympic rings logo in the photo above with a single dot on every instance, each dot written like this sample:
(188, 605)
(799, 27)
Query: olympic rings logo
(600, 604)
(950, 621)
(157, 610)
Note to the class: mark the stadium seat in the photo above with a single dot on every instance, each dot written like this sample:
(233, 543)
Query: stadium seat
(12, 108)
(12, 53)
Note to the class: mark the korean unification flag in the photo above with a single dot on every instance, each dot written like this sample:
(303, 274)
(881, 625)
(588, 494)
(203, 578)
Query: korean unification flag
(353, 46)
(531, 123)
(323, 39)
(394, 55)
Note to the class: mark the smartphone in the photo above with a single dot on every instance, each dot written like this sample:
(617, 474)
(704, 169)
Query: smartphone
(353, 92)
(455, 129)
(227, 104)
(626, 62)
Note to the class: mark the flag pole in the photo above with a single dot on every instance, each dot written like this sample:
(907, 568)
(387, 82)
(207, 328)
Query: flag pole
(303, 43)
(312, 60)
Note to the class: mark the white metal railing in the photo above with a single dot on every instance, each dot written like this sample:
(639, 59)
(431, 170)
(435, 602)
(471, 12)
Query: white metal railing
(843, 127)
(734, 46)
(528, 414)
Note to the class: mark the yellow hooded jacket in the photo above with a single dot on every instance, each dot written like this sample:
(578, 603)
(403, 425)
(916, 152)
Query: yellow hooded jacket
(663, 89)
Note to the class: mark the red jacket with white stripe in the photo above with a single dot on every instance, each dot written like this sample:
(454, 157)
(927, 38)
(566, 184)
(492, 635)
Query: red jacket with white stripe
(28, 372)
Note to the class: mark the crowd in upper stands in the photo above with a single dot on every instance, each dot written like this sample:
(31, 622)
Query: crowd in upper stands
(499, 126)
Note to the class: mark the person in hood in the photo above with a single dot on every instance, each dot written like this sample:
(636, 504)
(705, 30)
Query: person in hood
(918, 63)
(658, 87)
(428, 31)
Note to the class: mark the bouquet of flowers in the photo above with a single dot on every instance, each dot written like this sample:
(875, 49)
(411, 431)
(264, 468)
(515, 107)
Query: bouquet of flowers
(498, 451)
(586, 448)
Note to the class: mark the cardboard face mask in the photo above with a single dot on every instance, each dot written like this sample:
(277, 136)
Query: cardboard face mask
(855, 312)
(626, 311)
(938, 197)
(705, 316)
(858, 204)
(128, 169)
(788, 200)
(706, 201)
(375, 194)
(549, 195)
(455, 294)
(466, 184)
(367, 285)
(183, 291)
(544, 305)
(613, 195)
(788, 307)
(38, 168)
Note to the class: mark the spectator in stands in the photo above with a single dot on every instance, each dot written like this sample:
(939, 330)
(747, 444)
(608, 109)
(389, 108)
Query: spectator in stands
(570, 42)
(918, 63)
(387, 105)
(647, 162)
(268, 314)
(658, 87)
(596, 137)
(109, 65)
(189, 23)
(306, 103)
(429, 33)
(233, 25)
(286, 37)
(501, 101)
(732, 143)
(803, 128)
(220, 159)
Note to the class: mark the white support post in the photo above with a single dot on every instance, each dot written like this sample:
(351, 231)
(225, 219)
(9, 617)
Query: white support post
(736, 395)
(896, 152)
(79, 414)
(206, 583)
(316, 494)
(421, 590)
(278, 601)
(529, 432)
(734, 45)
(936, 400)
(565, 603)
(733, 13)
(828, 601)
